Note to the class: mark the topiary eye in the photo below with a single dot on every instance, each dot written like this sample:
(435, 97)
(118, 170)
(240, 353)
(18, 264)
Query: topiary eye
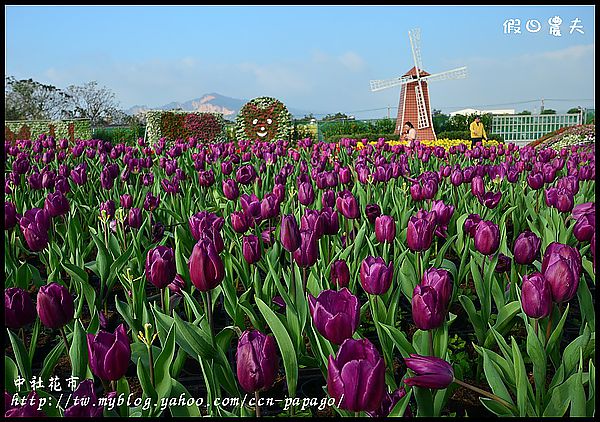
(255, 121)
(269, 121)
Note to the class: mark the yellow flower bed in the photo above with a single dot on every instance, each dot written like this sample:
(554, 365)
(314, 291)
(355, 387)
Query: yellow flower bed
(446, 143)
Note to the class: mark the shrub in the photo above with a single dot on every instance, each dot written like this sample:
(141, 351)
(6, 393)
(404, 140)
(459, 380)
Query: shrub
(207, 127)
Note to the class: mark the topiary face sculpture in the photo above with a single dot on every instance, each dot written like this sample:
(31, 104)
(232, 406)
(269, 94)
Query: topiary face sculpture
(263, 119)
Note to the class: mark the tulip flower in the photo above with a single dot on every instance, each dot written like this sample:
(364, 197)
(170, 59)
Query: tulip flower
(306, 193)
(10, 215)
(19, 309)
(55, 305)
(356, 376)
(313, 220)
(340, 273)
(331, 222)
(251, 249)
(503, 263)
(328, 198)
(470, 224)
(230, 189)
(56, 204)
(490, 199)
(477, 186)
(239, 221)
(257, 361)
(372, 211)
(443, 214)
(428, 307)
(109, 353)
(245, 174)
(536, 296)
(108, 208)
(583, 209)
(347, 204)
(441, 281)
(134, 219)
(585, 227)
(85, 391)
(487, 237)
(419, 233)
(126, 201)
(177, 285)
(375, 275)
(385, 229)
(307, 253)
(160, 266)
(30, 409)
(526, 248)
(561, 267)
(289, 233)
(535, 180)
(251, 205)
(35, 224)
(336, 314)
(205, 265)
(430, 372)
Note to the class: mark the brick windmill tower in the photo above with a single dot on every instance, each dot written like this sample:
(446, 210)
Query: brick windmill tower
(414, 95)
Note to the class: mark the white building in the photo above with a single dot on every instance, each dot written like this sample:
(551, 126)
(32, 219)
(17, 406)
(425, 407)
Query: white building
(468, 111)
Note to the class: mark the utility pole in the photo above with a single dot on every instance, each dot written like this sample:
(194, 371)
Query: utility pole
(542, 107)
(388, 107)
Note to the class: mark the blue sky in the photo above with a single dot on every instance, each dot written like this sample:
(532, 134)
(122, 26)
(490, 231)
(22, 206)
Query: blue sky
(316, 58)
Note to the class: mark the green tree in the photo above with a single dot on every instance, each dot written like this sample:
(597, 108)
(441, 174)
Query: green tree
(524, 112)
(548, 111)
(574, 110)
(336, 116)
(26, 99)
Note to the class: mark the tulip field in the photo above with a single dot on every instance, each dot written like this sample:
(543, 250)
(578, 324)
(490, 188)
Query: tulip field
(298, 278)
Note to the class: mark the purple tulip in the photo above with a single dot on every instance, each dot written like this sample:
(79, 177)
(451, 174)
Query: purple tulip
(126, 201)
(251, 249)
(428, 307)
(160, 266)
(269, 206)
(230, 189)
(421, 228)
(585, 227)
(372, 211)
(441, 281)
(177, 285)
(340, 273)
(109, 353)
(470, 224)
(19, 309)
(151, 202)
(358, 363)
(109, 208)
(56, 204)
(205, 265)
(331, 222)
(328, 198)
(10, 215)
(375, 275)
(29, 410)
(477, 186)
(443, 214)
(55, 305)
(336, 314)
(583, 209)
(347, 204)
(385, 229)
(134, 219)
(245, 174)
(251, 205)
(289, 233)
(536, 296)
(306, 193)
(526, 248)
(239, 221)
(35, 224)
(430, 372)
(313, 220)
(561, 267)
(535, 180)
(257, 361)
(487, 237)
(307, 253)
(85, 391)
(490, 199)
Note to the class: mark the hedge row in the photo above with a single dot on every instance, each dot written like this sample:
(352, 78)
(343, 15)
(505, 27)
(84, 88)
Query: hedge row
(209, 127)
(58, 129)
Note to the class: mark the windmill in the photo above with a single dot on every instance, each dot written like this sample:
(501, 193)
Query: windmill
(414, 95)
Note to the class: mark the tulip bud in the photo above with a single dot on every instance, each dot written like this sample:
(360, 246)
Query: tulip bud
(19, 309)
(470, 224)
(428, 307)
(239, 221)
(443, 215)
(357, 361)
(160, 266)
(289, 233)
(372, 211)
(307, 253)
(585, 227)
(56, 204)
(340, 273)
(477, 186)
(526, 248)
(385, 229)
(347, 204)
(336, 314)
(251, 249)
(487, 237)
(430, 372)
(109, 353)
(419, 233)
(441, 282)
(257, 361)
(10, 215)
(306, 193)
(35, 224)
(536, 296)
(135, 218)
(313, 220)
(375, 275)
(230, 189)
(561, 268)
(205, 265)
(55, 305)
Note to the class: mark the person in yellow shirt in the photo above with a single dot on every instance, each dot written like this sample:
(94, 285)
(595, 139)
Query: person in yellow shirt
(477, 131)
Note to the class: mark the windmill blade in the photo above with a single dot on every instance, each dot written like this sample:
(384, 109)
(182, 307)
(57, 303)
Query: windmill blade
(458, 73)
(415, 44)
(422, 116)
(379, 84)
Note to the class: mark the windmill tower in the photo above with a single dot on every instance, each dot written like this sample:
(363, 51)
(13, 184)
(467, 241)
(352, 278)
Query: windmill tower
(414, 95)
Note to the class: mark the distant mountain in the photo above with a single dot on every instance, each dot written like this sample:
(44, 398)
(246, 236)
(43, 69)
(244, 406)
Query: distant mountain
(213, 102)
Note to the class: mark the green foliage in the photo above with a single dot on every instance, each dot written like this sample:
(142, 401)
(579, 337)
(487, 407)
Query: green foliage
(355, 128)
(465, 134)
(127, 135)
(372, 137)
(458, 356)
(548, 111)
